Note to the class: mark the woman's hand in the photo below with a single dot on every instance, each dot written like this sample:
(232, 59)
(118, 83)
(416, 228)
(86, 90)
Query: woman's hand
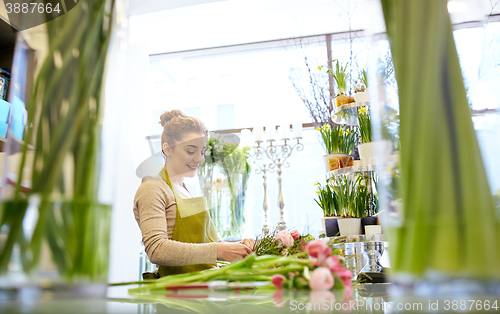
(232, 251)
(248, 242)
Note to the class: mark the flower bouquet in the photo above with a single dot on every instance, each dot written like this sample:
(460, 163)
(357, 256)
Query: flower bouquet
(317, 268)
(231, 162)
(281, 243)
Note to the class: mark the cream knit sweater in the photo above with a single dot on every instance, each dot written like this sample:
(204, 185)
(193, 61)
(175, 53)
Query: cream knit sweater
(154, 211)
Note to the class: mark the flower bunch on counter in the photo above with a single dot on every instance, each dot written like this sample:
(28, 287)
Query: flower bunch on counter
(281, 243)
(324, 272)
(318, 268)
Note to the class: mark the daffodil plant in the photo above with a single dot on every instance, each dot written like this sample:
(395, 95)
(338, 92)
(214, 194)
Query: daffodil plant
(327, 200)
(339, 74)
(340, 140)
(365, 125)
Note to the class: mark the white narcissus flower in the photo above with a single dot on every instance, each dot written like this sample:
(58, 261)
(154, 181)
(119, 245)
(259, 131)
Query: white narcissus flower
(218, 148)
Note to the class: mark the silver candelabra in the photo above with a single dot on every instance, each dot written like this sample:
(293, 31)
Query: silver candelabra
(278, 154)
(264, 168)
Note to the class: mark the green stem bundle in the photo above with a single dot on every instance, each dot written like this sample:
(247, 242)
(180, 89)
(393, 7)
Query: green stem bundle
(252, 268)
(64, 115)
(449, 221)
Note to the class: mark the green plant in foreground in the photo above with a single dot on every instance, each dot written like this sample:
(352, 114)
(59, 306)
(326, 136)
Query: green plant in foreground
(64, 125)
(449, 223)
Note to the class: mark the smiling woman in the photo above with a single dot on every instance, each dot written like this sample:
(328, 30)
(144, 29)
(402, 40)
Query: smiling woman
(177, 231)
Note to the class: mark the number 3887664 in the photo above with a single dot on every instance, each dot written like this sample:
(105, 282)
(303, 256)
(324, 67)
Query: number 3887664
(32, 8)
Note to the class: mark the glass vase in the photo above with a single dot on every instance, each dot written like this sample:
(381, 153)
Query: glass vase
(436, 202)
(55, 231)
(56, 246)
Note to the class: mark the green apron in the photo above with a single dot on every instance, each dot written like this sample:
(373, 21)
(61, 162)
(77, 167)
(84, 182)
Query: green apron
(192, 225)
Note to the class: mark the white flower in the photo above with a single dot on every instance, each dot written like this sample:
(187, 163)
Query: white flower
(284, 252)
(218, 148)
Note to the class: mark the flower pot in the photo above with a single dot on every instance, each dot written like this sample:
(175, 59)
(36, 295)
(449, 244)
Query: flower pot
(361, 98)
(337, 161)
(343, 100)
(368, 152)
(373, 230)
(368, 221)
(349, 226)
(331, 226)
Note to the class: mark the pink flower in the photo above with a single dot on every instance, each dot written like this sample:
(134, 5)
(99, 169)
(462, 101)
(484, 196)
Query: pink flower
(315, 248)
(285, 238)
(347, 290)
(333, 264)
(295, 234)
(278, 299)
(278, 280)
(344, 273)
(321, 279)
(322, 297)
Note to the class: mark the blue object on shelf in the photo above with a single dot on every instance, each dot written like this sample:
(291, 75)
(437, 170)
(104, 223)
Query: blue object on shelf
(4, 117)
(4, 82)
(19, 117)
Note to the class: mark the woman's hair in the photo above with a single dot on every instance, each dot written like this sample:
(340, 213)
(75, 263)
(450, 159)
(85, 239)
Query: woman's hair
(176, 124)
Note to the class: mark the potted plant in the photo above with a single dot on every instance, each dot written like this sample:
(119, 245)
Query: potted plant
(369, 150)
(365, 202)
(329, 203)
(339, 144)
(344, 187)
(361, 89)
(365, 148)
(340, 76)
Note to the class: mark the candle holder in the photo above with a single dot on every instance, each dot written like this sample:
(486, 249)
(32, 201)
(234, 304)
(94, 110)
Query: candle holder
(264, 169)
(278, 154)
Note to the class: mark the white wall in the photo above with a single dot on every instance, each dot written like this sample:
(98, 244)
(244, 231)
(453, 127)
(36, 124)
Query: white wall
(123, 148)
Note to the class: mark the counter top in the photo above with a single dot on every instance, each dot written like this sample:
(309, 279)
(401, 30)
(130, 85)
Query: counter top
(367, 298)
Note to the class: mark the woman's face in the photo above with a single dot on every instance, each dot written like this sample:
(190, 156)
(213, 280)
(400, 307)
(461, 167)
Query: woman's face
(188, 155)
